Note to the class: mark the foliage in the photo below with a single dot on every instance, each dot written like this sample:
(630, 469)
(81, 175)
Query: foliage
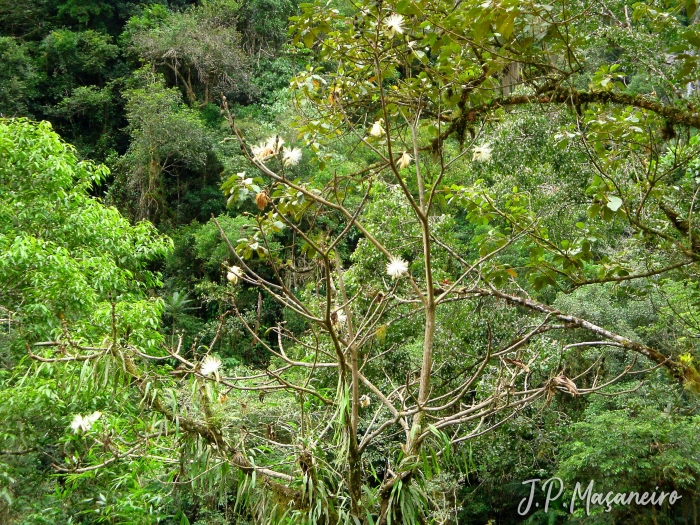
(634, 446)
(168, 139)
(54, 237)
(18, 77)
(460, 251)
(200, 47)
(67, 260)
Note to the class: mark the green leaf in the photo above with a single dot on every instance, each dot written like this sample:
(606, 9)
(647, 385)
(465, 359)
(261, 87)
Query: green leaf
(614, 203)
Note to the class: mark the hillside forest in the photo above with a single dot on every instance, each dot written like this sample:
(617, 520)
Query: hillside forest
(349, 262)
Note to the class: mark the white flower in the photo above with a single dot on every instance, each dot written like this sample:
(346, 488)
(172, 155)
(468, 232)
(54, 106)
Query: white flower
(291, 157)
(377, 128)
(275, 144)
(234, 274)
(210, 365)
(77, 422)
(396, 268)
(262, 152)
(394, 24)
(265, 150)
(482, 153)
(365, 401)
(338, 317)
(405, 160)
(84, 424)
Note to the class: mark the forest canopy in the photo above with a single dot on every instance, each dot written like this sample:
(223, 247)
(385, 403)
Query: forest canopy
(349, 262)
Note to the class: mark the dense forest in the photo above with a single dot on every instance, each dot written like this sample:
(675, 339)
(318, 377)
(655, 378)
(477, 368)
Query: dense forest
(363, 262)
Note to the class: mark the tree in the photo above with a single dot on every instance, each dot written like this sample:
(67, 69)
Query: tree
(199, 47)
(640, 447)
(167, 139)
(413, 96)
(419, 292)
(67, 262)
(18, 77)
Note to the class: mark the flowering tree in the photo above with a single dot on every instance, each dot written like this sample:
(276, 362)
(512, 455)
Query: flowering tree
(414, 86)
(418, 290)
